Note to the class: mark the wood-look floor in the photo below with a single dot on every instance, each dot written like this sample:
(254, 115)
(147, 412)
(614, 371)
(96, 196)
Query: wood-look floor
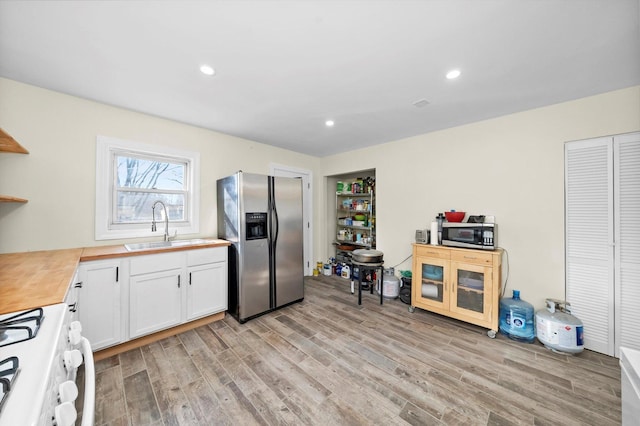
(328, 361)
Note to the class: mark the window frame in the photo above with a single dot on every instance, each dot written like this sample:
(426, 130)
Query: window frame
(107, 148)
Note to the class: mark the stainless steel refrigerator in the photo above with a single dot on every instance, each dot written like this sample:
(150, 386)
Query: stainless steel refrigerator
(262, 217)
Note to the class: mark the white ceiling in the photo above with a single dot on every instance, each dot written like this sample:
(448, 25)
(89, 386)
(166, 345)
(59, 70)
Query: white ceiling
(284, 67)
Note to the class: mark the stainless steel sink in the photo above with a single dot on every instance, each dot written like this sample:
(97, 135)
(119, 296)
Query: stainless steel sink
(154, 245)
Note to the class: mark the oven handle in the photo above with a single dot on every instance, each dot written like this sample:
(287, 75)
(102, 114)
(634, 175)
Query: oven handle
(88, 410)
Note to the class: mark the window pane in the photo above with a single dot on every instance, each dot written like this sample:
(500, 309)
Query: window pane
(134, 172)
(136, 206)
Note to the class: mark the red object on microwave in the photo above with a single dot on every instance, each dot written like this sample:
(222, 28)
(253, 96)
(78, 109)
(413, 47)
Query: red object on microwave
(454, 216)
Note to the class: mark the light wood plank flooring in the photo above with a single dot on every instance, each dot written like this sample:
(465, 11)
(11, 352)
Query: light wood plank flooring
(328, 361)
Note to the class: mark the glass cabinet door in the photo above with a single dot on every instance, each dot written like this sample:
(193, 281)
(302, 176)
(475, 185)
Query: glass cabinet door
(432, 288)
(470, 292)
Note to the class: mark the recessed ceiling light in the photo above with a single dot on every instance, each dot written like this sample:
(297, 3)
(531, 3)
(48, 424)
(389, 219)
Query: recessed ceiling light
(329, 123)
(453, 74)
(207, 70)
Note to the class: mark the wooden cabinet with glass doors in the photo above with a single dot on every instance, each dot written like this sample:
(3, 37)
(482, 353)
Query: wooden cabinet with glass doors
(460, 283)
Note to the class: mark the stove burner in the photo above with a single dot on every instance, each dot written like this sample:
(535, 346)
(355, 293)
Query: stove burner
(20, 327)
(7, 376)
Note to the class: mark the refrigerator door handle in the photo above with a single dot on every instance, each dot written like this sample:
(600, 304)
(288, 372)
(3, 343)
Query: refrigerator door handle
(272, 235)
(276, 224)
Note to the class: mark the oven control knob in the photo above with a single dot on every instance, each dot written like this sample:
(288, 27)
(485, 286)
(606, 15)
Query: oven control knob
(67, 391)
(75, 325)
(72, 359)
(65, 414)
(75, 337)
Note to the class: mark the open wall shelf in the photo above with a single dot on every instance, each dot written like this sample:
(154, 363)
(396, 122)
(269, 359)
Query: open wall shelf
(9, 144)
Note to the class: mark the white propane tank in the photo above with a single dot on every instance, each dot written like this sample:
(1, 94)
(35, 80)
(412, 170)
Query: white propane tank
(390, 284)
(557, 329)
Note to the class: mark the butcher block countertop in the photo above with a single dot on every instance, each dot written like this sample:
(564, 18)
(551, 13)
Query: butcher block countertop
(34, 279)
(39, 278)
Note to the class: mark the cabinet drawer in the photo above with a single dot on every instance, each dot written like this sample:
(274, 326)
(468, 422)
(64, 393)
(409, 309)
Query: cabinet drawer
(156, 263)
(206, 255)
(432, 251)
(474, 257)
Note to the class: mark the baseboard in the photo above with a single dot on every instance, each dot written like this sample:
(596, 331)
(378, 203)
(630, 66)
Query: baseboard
(145, 340)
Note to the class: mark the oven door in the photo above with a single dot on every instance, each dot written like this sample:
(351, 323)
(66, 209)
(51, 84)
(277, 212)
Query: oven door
(89, 402)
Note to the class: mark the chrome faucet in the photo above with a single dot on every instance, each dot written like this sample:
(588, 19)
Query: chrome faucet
(166, 219)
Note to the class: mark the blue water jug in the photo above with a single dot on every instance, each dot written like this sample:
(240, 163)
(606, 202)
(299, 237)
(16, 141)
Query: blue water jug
(517, 318)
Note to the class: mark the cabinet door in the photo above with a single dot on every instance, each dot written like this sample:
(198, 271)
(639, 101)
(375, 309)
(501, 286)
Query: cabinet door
(99, 304)
(207, 290)
(432, 290)
(155, 302)
(71, 298)
(471, 292)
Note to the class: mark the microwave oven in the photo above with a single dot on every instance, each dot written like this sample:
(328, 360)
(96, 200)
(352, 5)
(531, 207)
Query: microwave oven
(483, 236)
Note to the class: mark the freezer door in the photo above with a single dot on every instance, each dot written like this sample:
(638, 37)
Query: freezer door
(288, 239)
(228, 208)
(254, 286)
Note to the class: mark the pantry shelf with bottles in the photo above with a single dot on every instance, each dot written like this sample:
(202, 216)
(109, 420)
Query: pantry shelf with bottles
(355, 218)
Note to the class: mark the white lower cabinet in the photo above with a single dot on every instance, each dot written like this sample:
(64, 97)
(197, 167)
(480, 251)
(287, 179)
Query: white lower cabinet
(160, 291)
(155, 302)
(207, 278)
(155, 292)
(99, 302)
(71, 298)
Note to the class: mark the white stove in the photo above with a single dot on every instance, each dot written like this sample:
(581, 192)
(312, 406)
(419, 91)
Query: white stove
(40, 351)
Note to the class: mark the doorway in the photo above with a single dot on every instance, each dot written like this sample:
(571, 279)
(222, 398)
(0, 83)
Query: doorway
(337, 213)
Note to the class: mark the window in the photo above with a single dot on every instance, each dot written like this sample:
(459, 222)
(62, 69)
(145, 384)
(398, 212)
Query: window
(132, 176)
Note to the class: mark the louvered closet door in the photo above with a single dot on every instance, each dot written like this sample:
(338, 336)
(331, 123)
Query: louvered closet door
(627, 214)
(589, 239)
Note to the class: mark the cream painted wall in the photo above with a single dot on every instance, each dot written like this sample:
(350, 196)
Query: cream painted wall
(511, 167)
(58, 176)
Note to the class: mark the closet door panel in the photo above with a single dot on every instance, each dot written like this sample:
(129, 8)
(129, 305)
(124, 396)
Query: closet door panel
(627, 232)
(589, 239)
